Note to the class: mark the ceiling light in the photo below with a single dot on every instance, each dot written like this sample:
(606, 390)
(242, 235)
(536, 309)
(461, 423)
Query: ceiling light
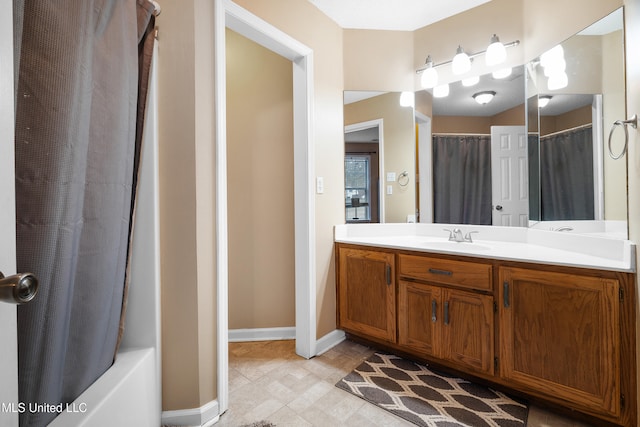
(470, 81)
(543, 100)
(429, 77)
(496, 52)
(551, 55)
(502, 73)
(461, 62)
(441, 91)
(484, 97)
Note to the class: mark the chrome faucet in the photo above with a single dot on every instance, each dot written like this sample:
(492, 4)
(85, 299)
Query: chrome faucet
(455, 235)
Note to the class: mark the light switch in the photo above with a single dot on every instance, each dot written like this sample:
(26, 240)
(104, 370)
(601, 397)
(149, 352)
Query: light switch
(391, 176)
(319, 185)
(389, 189)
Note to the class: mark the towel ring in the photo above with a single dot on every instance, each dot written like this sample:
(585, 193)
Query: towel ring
(403, 179)
(633, 122)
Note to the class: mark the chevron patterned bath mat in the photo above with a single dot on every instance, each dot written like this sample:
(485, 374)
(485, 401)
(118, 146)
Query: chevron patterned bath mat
(428, 398)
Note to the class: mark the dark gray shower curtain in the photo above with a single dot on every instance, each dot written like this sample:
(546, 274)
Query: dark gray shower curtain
(462, 179)
(76, 110)
(566, 175)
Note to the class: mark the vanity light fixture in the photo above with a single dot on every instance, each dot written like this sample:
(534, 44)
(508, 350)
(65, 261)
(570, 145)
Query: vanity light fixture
(429, 78)
(543, 100)
(496, 52)
(484, 97)
(554, 66)
(461, 63)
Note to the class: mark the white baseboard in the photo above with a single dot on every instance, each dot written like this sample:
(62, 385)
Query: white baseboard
(262, 334)
(329, 341)
(204, 416)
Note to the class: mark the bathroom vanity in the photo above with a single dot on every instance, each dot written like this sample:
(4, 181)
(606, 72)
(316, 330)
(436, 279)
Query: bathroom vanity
(544, 314)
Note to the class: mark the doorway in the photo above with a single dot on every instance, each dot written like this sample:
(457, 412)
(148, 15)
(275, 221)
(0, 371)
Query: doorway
(229, 15)
(362, 169)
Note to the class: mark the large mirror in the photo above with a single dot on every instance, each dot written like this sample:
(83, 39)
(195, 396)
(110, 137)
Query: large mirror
(448, 138)
(380, 165)
(581, 187)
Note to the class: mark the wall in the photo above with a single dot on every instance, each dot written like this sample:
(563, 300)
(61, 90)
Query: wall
(378, 60)
(398, 150)
(478, 124)
(260, 186)
(632, 41)
(186, 159)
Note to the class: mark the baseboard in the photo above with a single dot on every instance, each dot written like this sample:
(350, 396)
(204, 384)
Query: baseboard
(329, 341)
(204, 416)
(262, 334)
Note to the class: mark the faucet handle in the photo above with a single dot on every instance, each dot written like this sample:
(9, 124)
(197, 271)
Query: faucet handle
(467, 238)
(451, 233)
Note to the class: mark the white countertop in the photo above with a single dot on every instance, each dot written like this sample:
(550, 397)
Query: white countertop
(493, 242)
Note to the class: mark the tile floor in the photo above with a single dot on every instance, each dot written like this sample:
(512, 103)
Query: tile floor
(268, 381)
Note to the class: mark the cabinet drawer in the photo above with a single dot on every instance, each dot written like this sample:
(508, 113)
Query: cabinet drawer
(461, 273)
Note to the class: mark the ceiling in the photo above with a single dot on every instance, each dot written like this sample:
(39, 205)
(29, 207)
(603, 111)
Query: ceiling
(399, 15)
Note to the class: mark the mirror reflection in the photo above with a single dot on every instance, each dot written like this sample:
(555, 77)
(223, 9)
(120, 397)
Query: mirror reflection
(457, 142)
(380, 166)
(580, 187)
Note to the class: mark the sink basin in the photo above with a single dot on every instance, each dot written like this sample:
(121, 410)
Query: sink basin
(461, 246)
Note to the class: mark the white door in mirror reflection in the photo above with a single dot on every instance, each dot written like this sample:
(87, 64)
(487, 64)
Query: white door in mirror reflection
(509, 176)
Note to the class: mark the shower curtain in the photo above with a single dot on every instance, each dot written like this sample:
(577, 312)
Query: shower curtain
(462, 179)
(77, 103)
(566, 175)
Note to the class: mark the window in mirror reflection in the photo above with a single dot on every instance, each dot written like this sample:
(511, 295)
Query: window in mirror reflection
(357, 171)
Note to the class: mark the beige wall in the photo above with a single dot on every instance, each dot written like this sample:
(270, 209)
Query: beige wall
(260, 186)
(378, 60)
(399, 149)
(187, 140)
(570, 119)
(476, 124)
(632, 42)
(186, 135)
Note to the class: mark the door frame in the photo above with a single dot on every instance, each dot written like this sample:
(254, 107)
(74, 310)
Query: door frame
(230, 15)
(8, 321)
(379, 123)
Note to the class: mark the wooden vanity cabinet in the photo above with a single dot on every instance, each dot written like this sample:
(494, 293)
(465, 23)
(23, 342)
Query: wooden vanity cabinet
(449, 324)
(446, 312)
(367, 293)
(560, 336)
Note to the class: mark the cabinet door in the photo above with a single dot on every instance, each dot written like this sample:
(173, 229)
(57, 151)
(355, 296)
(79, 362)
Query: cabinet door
(420, 317)
(468, 330)
(560, 336)
(367, 293)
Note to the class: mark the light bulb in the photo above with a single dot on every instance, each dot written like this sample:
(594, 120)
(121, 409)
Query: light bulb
(502, 73)
(496, 52)
(406, 99)
(470, 81)
(441, 91)
(429, 78)
(557, 81)
(551, 55)
(461, 62)
(555, 66)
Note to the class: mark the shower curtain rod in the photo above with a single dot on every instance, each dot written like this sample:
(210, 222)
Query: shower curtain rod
(588, 125)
